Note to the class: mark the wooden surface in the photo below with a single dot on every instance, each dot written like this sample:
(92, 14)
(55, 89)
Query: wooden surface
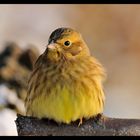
(100, 126)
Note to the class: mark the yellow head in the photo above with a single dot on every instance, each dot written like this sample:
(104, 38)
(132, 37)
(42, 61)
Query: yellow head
(66, 43)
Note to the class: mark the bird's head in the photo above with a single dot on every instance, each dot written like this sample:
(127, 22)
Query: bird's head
(66, 43)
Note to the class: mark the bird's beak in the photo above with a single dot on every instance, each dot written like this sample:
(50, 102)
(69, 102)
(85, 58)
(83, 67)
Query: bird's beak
(52, 46)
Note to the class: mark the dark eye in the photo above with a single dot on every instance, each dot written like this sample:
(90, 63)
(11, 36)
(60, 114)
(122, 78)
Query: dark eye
(67, 43)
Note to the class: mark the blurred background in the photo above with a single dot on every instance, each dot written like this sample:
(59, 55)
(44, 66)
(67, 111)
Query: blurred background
(111, 31)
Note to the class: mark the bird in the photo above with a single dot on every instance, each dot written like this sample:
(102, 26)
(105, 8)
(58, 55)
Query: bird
(66, 83)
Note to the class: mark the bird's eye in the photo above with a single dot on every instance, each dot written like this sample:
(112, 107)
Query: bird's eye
(67, 43)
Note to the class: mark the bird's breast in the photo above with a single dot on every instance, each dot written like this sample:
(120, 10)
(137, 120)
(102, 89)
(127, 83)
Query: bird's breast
(66, 93)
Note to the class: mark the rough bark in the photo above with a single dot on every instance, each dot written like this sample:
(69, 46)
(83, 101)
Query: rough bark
(101, 126)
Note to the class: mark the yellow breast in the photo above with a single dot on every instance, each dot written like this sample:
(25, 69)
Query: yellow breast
(73, 93)
(68, 104)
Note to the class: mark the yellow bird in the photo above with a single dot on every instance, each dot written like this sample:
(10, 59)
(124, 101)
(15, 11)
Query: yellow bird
(66, 82)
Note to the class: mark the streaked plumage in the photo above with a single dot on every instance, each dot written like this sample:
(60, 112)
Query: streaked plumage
(66, 82)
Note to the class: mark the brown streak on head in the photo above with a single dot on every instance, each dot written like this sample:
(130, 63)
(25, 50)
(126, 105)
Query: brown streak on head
(57, 34)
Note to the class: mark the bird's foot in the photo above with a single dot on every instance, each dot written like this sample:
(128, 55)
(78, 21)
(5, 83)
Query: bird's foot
(80, 122)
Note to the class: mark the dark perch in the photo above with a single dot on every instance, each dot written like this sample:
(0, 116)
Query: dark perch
(101, 126)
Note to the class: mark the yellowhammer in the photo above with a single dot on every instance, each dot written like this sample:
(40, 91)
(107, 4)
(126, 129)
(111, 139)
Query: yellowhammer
(66, 82)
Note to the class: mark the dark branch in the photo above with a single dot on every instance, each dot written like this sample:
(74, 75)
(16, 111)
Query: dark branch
(101, 126)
